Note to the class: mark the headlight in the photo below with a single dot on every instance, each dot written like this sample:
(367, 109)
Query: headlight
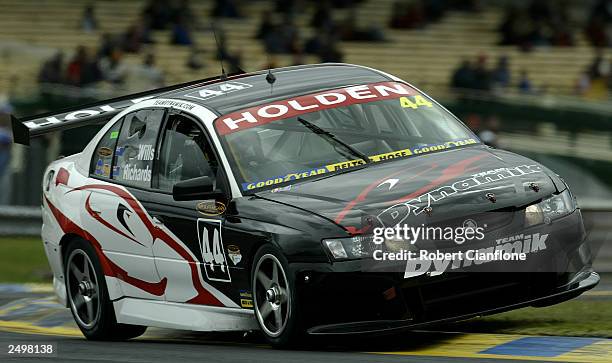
(349, 248)
(549, 209)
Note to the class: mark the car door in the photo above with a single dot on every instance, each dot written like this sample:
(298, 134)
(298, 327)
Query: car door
(195, 259)
(122, 164)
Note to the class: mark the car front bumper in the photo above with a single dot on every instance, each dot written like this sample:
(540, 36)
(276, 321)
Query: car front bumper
(341, 298)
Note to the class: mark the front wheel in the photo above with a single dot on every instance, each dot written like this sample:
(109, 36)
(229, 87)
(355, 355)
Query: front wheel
(88, 297)
(274, 298)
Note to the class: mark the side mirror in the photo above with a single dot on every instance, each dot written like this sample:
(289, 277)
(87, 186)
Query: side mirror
(195, 189)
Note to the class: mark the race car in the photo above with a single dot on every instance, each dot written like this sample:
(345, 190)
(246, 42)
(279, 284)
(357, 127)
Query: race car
(255, 201)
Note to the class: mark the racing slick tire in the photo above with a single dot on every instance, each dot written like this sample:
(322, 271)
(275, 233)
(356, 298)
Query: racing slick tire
(87, 295)
(275, 299)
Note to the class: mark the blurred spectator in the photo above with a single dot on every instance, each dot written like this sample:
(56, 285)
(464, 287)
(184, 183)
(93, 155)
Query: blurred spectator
(488, 133)
(135, 36)
(52, 71)
(234, 62)
(322, 17)
(407, 15)
(583, 84)
(482, 75)
(157, 13)
(540, 23)
(89, 22)
(501, 73)
(330, 52)
(226, 9)
(524, 83)
(472, 77)
(146, 76)
(599, 27)
(5, 150)
(182, 10)
(416, 14)
(106, 46)
(266, 26)
(181, 33)
(82, 70)
(113, 68)
(464, 76)
(196, 59)
(597, 78)
(351, 32)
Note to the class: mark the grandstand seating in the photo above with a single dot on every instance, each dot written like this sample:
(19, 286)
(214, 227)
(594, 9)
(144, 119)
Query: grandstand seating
(425, 57)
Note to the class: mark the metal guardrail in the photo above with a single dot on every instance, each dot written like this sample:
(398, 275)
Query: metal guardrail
(20, 221)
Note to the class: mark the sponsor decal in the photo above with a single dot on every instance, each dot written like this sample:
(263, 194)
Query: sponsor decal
(119, 151)
(262, 114)
(218, 90)
(246, 303)
(80, 114)
(397, 213)
(352, 163)
(106, 170)
(133, 173)
(145, 152)
(98, 170)
(175, 104)
(246, 299)
(234, 254)
(105, 152)
(114, 135)
(213, 253)
(211, 208)
(391, 183)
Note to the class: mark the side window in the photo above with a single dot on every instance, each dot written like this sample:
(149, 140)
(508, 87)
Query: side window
(185, 153)
(101, 161)
(135, 149)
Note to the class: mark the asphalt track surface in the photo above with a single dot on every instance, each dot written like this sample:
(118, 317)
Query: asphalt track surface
(53, 324)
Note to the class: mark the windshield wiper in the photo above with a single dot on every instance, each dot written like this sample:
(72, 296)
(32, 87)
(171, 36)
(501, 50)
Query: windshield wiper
(333, 139)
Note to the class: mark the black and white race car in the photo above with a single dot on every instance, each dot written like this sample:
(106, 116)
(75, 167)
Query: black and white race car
(252, 202)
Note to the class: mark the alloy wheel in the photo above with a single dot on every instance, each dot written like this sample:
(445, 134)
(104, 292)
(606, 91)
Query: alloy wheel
(83, 289)
(272, 295)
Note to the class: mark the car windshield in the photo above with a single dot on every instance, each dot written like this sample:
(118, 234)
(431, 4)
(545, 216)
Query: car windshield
(278, 144)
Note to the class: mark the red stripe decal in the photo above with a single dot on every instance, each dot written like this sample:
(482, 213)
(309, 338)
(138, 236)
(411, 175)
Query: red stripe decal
(364, 193)
(204, 296)
(108, 267)
(97, 217)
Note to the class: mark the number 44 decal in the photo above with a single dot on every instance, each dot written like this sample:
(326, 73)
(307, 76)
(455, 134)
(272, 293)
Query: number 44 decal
(218, 90)
(213, 253)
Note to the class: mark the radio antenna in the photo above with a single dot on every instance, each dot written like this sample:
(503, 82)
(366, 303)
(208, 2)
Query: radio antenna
(220, 53)
(270, 78)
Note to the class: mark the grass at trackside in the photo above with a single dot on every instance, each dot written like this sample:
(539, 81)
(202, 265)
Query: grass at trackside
(22, 259)
(581, 317)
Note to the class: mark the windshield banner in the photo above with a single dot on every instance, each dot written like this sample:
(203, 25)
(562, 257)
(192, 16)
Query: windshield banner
(263, 114)
(330, 168)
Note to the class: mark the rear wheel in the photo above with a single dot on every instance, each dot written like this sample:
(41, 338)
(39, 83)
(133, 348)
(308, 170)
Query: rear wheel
(274, 298)
(88, 296)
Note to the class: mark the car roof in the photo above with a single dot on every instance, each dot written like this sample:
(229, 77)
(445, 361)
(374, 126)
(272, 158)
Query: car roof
(289, 82)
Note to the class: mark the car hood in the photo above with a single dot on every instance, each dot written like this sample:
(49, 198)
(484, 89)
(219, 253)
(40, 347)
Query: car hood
(422, 189)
